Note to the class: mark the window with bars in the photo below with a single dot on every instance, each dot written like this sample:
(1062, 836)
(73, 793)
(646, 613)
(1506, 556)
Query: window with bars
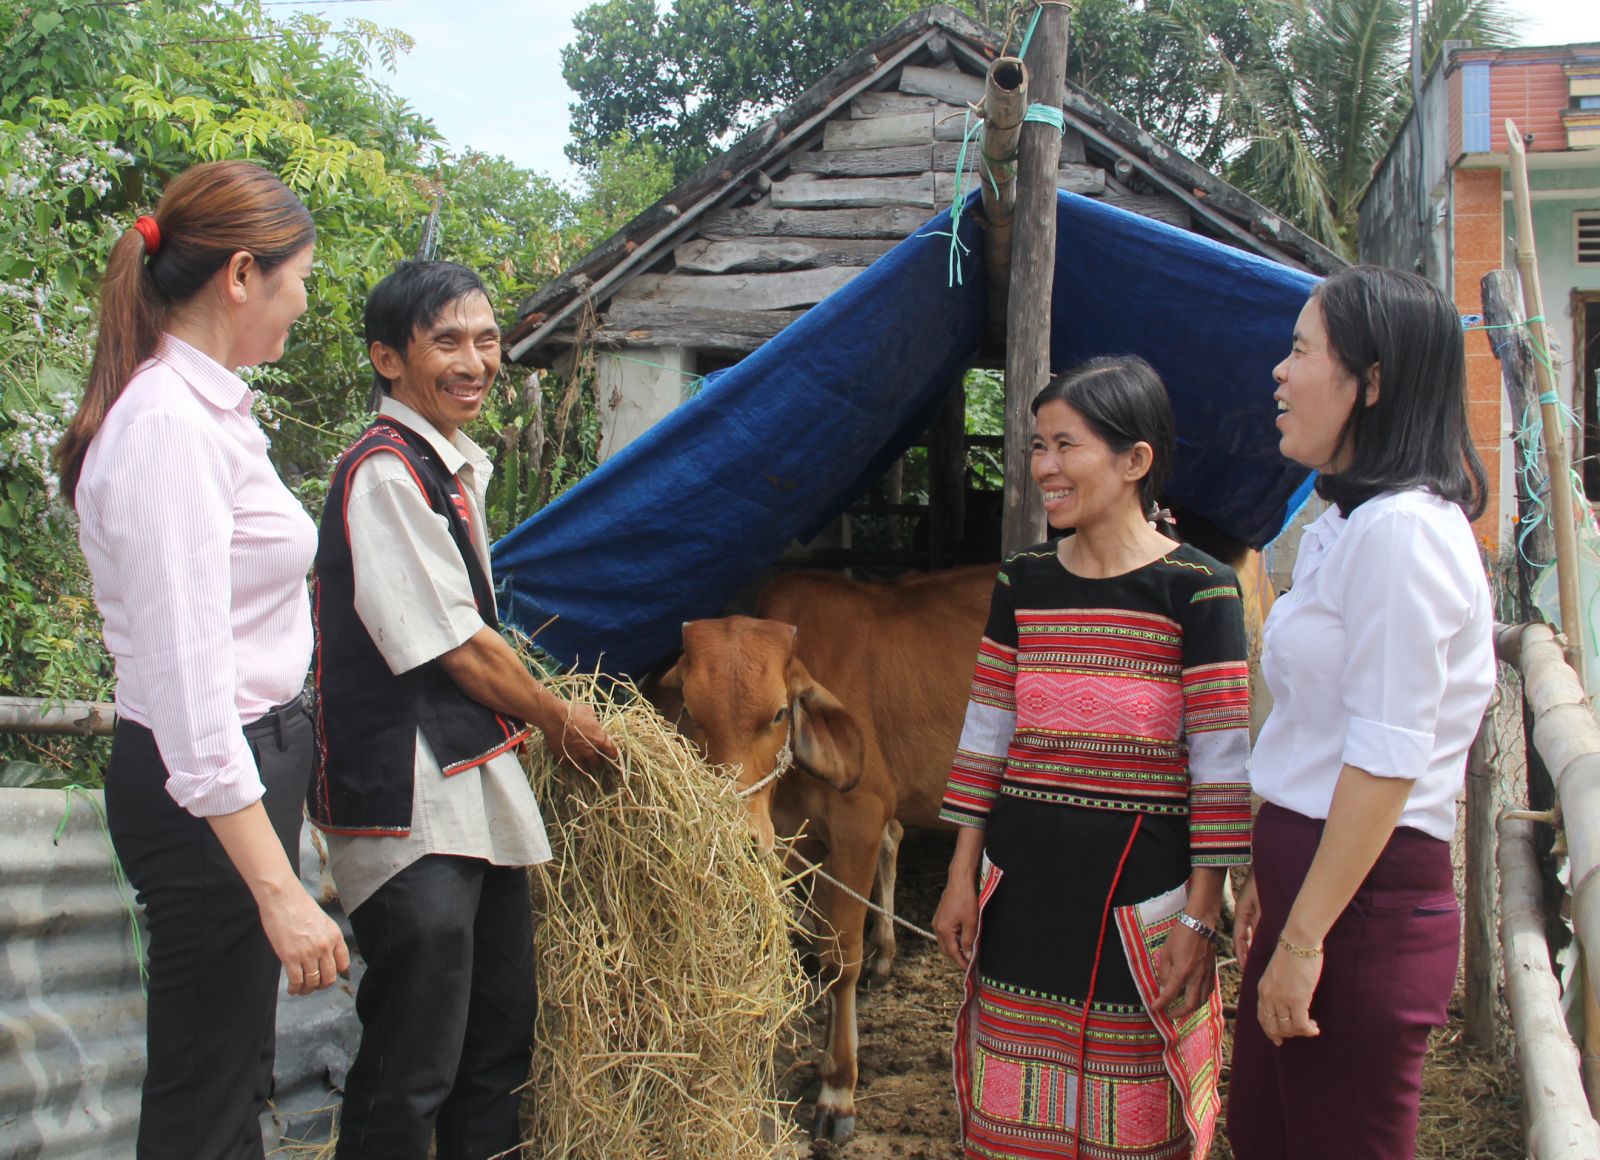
(1586, 237)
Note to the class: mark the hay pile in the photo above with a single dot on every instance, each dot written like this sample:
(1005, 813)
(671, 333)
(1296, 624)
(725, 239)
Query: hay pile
(666, 979)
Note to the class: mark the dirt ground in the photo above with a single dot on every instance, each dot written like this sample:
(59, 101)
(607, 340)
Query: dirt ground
(904, 1106)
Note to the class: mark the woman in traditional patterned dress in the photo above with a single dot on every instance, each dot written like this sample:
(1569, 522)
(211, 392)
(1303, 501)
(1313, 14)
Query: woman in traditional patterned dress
(1102, 765)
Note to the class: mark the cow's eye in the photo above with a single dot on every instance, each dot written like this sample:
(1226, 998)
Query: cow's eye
(781, 716)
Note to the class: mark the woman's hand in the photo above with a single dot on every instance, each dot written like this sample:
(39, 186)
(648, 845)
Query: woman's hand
(1188, 968)
(305, 939)
(1283, 1000)
(307, 942)
(956, 921)
(1246, 918)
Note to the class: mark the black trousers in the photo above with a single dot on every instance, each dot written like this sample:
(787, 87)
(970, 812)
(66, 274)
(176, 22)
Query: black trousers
(447, 1008)
(213, 975)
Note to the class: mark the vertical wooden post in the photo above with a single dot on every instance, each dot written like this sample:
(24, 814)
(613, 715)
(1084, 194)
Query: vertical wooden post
(947, 479)
(1033, 263)
(1503, 315)
(1510, 346)
(1555, 440)
(1480, 888)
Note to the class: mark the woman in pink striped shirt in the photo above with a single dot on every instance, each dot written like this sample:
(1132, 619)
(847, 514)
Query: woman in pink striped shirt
(199, 556)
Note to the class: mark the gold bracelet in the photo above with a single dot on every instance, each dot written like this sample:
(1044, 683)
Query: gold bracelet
(1299, 952)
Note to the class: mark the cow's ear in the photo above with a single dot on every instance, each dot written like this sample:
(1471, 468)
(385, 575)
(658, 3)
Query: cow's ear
(827, 741)
(665, 693)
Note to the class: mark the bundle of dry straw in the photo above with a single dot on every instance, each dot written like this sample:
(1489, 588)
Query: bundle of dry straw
(667, 983)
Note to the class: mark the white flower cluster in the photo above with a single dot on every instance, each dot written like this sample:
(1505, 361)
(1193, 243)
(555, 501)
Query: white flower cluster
(83, 172)
(31, 443)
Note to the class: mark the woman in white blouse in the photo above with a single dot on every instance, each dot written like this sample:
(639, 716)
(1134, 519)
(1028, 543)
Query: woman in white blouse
(1380, 664)
(199, 556)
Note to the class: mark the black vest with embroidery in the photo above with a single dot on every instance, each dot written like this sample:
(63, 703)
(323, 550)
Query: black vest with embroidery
(367, 716)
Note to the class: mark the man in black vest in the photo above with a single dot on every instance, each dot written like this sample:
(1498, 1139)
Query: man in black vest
(421, 706)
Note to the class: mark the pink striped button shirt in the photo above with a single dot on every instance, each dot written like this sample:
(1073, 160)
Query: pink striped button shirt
(199, 556)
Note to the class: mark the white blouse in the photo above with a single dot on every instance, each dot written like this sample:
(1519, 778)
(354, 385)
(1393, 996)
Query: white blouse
(1380, 656)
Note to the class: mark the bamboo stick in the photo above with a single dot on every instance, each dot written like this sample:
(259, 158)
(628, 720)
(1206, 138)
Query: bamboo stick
(1479, 935)
(1005, 100)
(1567, 735)
(39, 715)
(1033, 250)
(1555, 440)
(1557, 1122)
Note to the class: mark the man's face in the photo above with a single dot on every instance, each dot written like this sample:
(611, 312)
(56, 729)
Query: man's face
(445, 373)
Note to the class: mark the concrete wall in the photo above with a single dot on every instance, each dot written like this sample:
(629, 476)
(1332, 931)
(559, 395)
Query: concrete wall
(1557, 195)
(1478, 241)
(1402, 216)
(637, 388)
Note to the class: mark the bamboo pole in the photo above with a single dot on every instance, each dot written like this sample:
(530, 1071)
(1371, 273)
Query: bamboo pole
(1567, 736)
(38, 715)
(1555, 440)
(1556, 1119)
(1480, 886)
(1033, 263)
(1005, 100)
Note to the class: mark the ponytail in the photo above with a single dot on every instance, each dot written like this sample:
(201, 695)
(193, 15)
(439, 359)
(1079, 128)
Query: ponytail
(133, 315)
(209, 213)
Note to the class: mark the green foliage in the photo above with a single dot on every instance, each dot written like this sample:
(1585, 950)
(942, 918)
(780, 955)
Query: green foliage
(687, 76)
(100, 105)
(1324, 105)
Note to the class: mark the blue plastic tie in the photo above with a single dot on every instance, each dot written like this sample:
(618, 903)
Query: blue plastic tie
(1047, 115)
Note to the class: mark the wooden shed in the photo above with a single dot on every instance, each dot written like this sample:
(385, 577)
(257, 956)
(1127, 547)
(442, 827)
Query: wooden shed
(810, 273)
(803, 202)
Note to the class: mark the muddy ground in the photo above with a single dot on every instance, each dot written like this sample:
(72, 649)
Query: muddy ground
(904, 1107)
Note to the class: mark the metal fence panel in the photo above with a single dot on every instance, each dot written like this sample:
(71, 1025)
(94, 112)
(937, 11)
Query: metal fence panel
(72, 1052)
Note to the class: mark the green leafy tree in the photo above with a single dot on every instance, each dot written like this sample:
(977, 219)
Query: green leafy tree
(100, 105)
(1323, 108)
(687, 76)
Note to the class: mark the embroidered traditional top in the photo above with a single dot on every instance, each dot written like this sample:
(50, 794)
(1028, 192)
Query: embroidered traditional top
(1124, 693)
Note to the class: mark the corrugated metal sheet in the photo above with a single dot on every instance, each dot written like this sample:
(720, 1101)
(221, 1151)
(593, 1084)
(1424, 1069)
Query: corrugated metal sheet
(71, 1011)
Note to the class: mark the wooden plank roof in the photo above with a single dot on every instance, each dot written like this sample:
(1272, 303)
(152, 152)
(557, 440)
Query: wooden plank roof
(886, 163)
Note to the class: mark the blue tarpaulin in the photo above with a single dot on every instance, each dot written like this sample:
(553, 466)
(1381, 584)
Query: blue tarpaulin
(771, 450)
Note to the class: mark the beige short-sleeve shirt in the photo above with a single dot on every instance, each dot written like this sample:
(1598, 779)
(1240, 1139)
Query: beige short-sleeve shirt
(413, 594)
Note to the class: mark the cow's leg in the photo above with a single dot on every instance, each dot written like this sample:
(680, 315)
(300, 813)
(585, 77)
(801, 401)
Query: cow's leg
(883, 940)
(851, 859)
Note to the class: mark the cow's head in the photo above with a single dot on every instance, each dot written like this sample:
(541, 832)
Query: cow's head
(746, 696)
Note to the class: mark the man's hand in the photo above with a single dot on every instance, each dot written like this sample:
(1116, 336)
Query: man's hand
(578, 737)
(490, 672)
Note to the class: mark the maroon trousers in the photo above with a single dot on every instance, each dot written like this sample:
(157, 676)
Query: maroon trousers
(1389, 968)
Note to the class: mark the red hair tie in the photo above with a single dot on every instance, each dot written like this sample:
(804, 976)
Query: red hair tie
(150, 232)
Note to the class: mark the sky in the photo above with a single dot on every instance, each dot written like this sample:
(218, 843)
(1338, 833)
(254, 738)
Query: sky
(488, 72)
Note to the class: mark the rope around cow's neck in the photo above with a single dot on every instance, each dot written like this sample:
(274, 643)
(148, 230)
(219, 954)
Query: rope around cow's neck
(784, 763)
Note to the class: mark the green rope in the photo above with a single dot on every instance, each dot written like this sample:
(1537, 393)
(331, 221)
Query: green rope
(119, 877)
(693, 378)
(971, 131)
(1047, 115)
(1027, 37)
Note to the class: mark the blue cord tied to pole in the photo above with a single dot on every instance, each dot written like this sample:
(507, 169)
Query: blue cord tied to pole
(971, 134)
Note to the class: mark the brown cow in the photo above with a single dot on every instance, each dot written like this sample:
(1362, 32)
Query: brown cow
(867, 685)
